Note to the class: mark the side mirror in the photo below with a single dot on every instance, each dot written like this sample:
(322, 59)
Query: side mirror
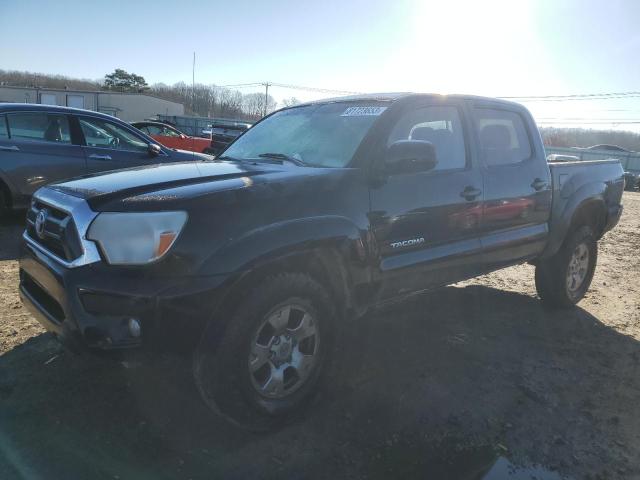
(409, 156)
(182, 135)
(154, 150)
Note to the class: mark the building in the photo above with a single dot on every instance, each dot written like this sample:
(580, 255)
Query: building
(126, 106)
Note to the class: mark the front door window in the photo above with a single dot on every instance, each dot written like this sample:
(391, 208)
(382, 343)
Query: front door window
(104, 134)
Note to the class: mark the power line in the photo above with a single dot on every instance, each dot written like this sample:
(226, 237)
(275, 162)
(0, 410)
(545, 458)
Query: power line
(255, 84)
(577, 122)
(582, 96)
(294, 87)
(315, 89)
(578, 95)
(523, 98)
(550, 98)
(589, 119)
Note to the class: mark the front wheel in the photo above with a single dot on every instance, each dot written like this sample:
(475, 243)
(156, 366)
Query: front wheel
(272, 354)
(563, 280)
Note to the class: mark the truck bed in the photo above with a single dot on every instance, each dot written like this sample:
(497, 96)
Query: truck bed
(574, 181)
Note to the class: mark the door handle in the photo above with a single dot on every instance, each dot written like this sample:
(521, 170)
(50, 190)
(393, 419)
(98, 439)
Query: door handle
(470, 193)
(11, 148)
(95, 156)
(538, 184)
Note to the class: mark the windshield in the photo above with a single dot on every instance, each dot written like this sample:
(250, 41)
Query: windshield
(325, 135)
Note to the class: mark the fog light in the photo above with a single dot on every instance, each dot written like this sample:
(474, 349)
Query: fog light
(135, 329)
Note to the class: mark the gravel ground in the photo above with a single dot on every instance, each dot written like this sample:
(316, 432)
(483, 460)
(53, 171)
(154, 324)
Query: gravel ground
(439, 387)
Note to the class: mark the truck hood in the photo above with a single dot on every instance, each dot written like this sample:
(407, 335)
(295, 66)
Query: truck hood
(100, 189)
(189, 155)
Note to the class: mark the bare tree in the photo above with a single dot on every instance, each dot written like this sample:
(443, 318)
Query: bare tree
(290, 102)
(581, 137)
(29, 79)
(200, 100)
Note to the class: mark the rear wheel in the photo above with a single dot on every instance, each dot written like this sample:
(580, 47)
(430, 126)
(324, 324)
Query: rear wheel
(562, 280)
(270, 359)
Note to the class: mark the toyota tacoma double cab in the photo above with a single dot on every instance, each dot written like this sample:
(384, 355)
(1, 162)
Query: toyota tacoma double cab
(317, 214)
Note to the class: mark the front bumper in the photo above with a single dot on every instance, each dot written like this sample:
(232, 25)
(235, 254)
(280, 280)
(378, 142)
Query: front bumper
(89, 307)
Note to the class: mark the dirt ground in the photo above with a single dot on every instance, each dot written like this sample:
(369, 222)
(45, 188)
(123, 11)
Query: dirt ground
(473, 381)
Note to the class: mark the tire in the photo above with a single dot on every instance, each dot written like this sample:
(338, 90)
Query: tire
(562, 280)
(281, 330)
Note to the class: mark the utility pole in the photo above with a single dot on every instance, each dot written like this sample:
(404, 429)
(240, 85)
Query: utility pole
(266, 96)
(193, 85)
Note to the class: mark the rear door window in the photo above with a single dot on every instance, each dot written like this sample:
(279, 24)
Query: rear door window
(503, 137)
(39, 126)
(4, 132)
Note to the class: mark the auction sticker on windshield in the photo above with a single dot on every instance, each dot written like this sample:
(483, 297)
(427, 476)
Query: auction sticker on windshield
(363, 111)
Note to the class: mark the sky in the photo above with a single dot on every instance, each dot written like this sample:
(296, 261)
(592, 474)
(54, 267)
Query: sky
(487, 47)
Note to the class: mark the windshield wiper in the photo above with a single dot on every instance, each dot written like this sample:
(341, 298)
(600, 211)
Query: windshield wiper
(282, 156)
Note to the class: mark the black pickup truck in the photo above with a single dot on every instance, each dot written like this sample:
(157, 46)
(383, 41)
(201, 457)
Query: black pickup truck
(317, 214)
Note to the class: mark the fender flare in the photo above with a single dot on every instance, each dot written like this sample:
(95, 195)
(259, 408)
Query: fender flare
(590, 195)
(339, 241)
(281, 239)
(333, 240)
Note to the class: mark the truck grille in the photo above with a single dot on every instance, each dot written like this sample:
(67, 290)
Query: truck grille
(54, 230)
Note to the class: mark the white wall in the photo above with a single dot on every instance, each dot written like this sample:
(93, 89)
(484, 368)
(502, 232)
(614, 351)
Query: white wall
(126, 106)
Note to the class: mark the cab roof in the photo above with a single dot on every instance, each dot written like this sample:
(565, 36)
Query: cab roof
(38, 107)
(395, 96)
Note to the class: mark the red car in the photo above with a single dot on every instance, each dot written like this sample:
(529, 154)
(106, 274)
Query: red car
(173, 138)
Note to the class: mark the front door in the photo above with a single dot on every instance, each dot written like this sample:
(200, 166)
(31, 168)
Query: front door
(168, 137)
(426, 224)
(109, 146)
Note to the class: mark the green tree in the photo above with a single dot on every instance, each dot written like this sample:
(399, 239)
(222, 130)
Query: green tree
(124, 81)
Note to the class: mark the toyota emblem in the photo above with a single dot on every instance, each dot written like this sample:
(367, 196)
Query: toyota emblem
(41, 218)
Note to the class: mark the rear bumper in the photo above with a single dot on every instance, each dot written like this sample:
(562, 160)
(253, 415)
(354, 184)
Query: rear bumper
(89, 307)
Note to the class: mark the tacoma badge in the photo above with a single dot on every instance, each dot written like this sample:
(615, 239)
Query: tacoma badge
(408, 243)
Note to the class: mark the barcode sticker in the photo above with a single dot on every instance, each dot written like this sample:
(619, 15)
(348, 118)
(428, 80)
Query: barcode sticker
(363, 111)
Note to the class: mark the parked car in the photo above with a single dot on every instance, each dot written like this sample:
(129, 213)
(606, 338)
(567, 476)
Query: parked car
(610, 148)
(40, 144)
(318, 213)
(223, 135)
(171, 137)
(631, 180)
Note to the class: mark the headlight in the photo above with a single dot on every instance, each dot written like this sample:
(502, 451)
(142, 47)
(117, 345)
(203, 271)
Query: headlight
(136, 238)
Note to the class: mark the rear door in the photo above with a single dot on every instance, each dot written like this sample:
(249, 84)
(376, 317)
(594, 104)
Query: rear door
(111, 146)
(426, 224)
(517, 184)
(38, 148)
